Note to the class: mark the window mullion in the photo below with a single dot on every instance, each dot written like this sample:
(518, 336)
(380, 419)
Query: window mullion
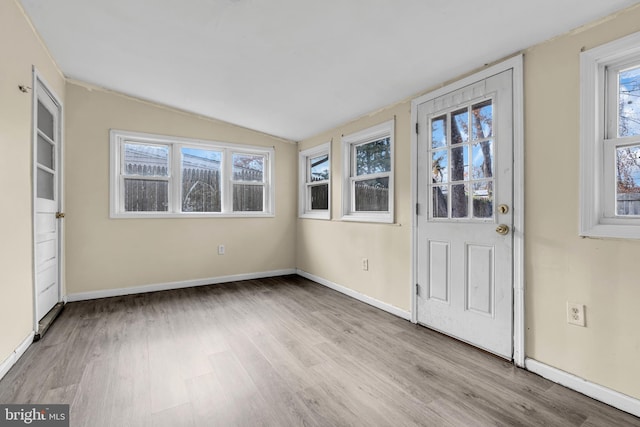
(226, 175)
(175, 179)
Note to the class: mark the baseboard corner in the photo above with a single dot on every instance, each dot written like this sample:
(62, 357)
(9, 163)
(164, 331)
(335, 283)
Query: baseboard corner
(406, 315)
(15, 355)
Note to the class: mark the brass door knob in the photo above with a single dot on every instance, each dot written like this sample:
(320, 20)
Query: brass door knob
(59, 215)
(502, 229)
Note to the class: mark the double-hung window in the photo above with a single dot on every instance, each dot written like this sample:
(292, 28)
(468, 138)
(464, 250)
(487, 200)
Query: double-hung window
(315, 182)
(610, 139)
(162, 176)
(368, 174)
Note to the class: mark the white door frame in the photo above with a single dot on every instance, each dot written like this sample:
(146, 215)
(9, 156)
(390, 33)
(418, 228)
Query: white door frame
(40, 87)
(516, 64)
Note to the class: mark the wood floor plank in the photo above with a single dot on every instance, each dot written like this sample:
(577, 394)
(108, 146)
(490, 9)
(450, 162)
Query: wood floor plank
(281, 351)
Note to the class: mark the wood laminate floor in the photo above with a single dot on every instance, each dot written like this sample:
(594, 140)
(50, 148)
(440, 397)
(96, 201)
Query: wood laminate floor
(277, 352)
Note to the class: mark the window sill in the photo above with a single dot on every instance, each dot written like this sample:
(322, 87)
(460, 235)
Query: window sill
(611, 231)
(148, 215)
(315, 215)
(381, 218)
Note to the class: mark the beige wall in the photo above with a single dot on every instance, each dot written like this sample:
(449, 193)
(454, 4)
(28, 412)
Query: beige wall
(560, 266)
(105, 253)
(20, 49)
(333, 250)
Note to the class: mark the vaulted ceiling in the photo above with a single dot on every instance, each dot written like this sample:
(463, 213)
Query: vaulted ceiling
(292, 68)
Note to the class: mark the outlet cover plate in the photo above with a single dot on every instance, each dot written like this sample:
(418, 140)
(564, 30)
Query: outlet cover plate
(575, 314)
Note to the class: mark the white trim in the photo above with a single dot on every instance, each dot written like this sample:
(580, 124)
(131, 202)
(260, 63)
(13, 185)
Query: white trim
(516, 64)
(15, 355)
(303, 157)
(370, 134)
(594, 221)
(39, 85)
(106, 293)
(518, 213)
(603, 394)
(357, 295)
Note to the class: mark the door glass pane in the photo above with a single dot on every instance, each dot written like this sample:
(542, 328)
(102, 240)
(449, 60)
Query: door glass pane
(460, 126)
(459, 200)
(439, 166)
(372, 195)
(628, 180)
(320, 197)
(439, 132)
(319, 167)
(146, 160)
(45, 153)
(248, 198)
(483, 199)
(482, 118)
(373, 157)
(45, 121)
(629, 102)
(460, 163)
(201, 180)
(144, 195)
(248, 168)
(482, 159)
(440, 202)
(45, 184)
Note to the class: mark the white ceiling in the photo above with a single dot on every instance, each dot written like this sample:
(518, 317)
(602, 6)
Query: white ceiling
(292, 68)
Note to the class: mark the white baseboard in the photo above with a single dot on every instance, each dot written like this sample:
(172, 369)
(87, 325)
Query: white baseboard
(106, 293)
(15, 355)
(357, 295)
(598, 392)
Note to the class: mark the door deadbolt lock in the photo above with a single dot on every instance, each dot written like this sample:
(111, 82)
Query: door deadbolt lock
(59, 215)
(503, 209)
(502, 229)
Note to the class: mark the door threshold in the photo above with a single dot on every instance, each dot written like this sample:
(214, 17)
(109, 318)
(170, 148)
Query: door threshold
(47, 321)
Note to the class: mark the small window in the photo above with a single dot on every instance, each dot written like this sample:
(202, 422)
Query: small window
(610, 139)
(145, 177)
(368, 174)
(159, 176)
(248, 182)
(315, 182)
(201, 185)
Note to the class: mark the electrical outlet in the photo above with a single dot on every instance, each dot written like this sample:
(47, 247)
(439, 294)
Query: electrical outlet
(220, 249)
(575, 314)
(365, 264)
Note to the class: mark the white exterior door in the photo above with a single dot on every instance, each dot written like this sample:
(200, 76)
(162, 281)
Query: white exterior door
(47, 137)
(465, 216)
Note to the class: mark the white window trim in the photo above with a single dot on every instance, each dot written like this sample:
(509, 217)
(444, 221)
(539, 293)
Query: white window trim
(304, 210)
(119, 137)
(595, 202)
(383, 130)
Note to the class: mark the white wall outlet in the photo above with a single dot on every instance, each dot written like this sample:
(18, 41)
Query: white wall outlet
(220, 249)
(365, 264)
(575, 314)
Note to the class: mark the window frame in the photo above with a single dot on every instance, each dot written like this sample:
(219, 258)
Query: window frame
(117, 139)
(305, 185)
(349, 167)
(598, 120)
